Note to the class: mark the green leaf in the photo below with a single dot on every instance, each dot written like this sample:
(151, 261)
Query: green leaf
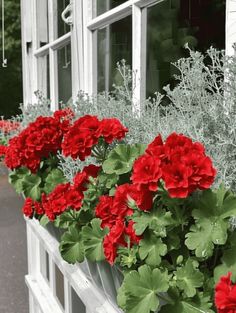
(188, 278)
(93, 240)
(120, 160)
(212, 212)
(16, 178)
(151, 249)
(128, 256)
(183, 307)
(54, 178)
(71, 246)
(228, 262)
(139, 292)
(44, 220)
(107, 181)
(156, 220)
(30, 186)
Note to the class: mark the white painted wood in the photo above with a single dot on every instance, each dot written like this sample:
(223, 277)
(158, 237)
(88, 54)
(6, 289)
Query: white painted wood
(111, 16)
(53, 59)
(146, 3)
(77, 49)
(67, 295)
(54, 45)
(26, 35)
(90, 50)
(42, 295)
(74, 275)
(230, 26)
(139, 48)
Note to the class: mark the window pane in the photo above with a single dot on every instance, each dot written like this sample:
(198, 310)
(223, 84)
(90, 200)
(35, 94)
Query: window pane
(114, 45)
(77, 304)
(63, 28)
(106, 5)
(42, 22)
(59, 286)
(64, 74)
(171, 24)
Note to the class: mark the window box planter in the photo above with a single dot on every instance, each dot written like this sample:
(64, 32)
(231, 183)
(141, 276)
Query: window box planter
(56, 286)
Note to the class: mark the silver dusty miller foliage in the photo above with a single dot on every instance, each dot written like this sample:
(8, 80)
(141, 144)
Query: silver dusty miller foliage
(202, 105)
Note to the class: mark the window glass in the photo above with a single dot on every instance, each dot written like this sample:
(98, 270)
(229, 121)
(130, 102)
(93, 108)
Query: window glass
(77, 304)
(59, 286)
(171, 24)
(42, 22)
(114, 45)
(64, 74)
(106, 5)
(63, 28)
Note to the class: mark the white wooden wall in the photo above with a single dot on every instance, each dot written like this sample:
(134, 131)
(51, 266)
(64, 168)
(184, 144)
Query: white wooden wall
(230, 26)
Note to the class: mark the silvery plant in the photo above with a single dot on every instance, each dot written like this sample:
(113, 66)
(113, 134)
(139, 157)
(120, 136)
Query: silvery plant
(202, 106)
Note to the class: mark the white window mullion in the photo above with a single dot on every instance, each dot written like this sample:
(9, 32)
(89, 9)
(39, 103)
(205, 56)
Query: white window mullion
(77, 49)
(139, 48)
(230, 38)
(27, 52)
(90, 50)
(53, 62)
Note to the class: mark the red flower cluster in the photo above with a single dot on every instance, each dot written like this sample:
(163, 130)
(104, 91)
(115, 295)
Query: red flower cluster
(182, 164)
(8, 126)
(31, 206)
(225, 295)
(40, 139)
(85, 133)
(113, 211)
(68, 196)
(3, 150)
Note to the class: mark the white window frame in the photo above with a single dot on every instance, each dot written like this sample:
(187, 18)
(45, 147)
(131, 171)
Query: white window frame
(83, 38)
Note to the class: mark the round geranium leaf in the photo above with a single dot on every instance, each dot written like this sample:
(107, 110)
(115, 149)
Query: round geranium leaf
(121, 159)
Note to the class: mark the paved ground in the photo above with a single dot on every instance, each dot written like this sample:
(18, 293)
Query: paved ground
(13, 254)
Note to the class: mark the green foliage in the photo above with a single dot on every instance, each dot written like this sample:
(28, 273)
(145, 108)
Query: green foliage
(93, 240)
(140, 290)
(212, 213)
(188, 278)
(155, 220)
(120, 160)
(16, 178)
(54, 178)
(71, 246)
(151, 248)
(31, 186)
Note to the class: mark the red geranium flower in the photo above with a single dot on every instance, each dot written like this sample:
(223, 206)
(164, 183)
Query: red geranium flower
(81, 137)
(156, 148)
(125, 193)
(103, 211)
(113, 240)
(129, 230)
(28, 207)
(40, 139)
(225, 295)
(3, 150)
(147, 171)
(111, 128)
